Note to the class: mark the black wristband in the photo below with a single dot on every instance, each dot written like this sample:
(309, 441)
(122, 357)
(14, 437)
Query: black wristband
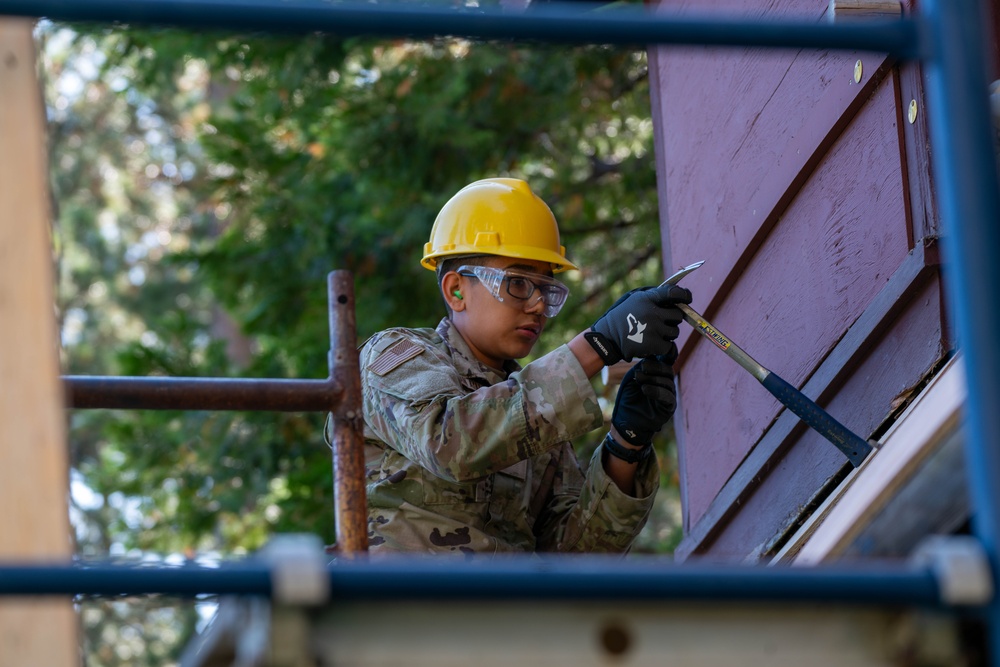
(605, 349)
(624, 453)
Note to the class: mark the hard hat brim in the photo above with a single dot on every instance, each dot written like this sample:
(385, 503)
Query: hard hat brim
(559, 262)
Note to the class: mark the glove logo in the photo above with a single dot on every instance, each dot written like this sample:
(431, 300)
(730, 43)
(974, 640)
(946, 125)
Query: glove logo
(635, 329)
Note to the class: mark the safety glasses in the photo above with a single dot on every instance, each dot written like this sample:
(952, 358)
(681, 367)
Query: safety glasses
(519, 285)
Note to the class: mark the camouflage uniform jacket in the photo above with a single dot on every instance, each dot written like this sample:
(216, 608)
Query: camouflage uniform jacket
(464, 459)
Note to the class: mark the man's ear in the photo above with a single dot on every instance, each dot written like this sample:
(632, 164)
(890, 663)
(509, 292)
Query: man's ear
(451, 288)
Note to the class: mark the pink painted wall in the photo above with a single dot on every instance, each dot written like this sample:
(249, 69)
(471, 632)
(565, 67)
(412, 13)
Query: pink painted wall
(791, 179)
(884, 373)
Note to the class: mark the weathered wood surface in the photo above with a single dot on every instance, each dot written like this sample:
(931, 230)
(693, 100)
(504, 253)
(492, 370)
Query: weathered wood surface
(652, 633)
(845, 10)
(915, 139)
(805, 188)
(835, 247)
(735, 151)
(935, 501)
(912, 487)
(919, 267)
(34, 524)
(912, 345)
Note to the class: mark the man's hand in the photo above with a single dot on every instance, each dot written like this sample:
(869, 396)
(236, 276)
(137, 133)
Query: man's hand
(646, 399)
(643, 323)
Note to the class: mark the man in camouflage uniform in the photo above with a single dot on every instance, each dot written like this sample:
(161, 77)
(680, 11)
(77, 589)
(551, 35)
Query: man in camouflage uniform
(471, 452)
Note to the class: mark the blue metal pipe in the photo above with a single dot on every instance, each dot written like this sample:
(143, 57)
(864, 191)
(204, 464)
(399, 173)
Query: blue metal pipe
(614, 579)
(632, 25)
(557, 579)
(969, 201)
(114, 580)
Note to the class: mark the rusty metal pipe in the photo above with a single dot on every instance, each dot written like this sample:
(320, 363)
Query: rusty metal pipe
(181, 393)
(340, 395)
(347, 432)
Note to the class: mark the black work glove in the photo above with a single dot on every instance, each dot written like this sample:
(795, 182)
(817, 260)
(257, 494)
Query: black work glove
(643, 323)
(646, 399)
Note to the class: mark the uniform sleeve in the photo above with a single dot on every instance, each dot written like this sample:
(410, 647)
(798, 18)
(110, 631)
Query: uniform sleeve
(589, 512)
(420, 408)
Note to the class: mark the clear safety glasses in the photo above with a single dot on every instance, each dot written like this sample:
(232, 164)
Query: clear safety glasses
(520, 285)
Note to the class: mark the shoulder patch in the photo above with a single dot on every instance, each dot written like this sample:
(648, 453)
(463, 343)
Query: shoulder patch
(393, 356)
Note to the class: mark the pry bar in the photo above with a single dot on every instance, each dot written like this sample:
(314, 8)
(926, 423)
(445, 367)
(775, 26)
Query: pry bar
(855, 448)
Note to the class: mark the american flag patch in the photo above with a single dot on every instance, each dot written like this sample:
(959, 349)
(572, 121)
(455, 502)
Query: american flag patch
(393, 356)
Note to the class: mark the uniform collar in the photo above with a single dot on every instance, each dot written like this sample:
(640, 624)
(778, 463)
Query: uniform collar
(465, 361)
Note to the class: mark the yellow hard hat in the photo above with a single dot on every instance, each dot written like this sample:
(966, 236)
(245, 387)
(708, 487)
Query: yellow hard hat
(496, 216)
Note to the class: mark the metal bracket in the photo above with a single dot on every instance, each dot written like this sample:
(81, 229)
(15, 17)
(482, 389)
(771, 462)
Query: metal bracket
(961, 566)
(298, 570)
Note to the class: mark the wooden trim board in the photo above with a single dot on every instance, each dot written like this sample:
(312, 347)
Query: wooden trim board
(879, 315)
(930, 419)
(34, 480)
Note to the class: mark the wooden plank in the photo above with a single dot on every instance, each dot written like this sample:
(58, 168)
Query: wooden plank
(732, 154)
(915, 143)
(711, 142)
(841, 10)
(991, 21)
(659, 59)
(934, 501)
(933, 417)
(836, 246)
(806, 147)
(906, 354)
(872, 324)
(799, 480)
(33, 466)
(646, 633)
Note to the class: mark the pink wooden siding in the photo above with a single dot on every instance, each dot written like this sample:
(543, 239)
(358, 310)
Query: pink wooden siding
(863, 402)
(798, 186)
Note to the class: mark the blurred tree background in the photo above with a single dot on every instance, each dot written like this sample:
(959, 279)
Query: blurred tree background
(205, 184)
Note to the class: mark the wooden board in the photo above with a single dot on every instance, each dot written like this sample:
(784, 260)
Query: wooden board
(879, 317)
(737, 132)
(921, 430)
(897, 361)
(646, 633)
(834, 248)
(845, 10)
(799, 176)
(935, 500)
(33, 467)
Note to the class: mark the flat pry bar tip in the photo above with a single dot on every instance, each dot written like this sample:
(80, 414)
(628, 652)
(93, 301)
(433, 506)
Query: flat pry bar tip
(674, 279)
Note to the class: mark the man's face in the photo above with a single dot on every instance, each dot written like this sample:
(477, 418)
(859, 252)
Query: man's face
(497, 331)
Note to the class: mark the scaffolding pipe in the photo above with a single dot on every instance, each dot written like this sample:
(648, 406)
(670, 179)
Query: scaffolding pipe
(339, 395)
(631, 25)
(181, 393)
(969, 200)
(347, 437)
(569, 578)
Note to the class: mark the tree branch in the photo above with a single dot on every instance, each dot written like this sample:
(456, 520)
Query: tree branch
(612, 226)
(636, 262)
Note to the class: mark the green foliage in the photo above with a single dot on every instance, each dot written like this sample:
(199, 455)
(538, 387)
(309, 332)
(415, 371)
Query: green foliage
(138, 632)
(206, 185)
